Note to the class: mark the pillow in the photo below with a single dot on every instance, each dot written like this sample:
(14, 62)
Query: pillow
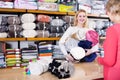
(77, 53)
(3, 35)
(28, 26)
(28, 18)
(57, 22)
(29, 33)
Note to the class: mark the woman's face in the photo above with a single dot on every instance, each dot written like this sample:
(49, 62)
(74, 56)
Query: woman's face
(114, 17)
(110, 16)
(82, 17)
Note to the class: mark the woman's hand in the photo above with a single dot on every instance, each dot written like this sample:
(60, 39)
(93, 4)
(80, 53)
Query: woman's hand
(69, 58)
(89, 51)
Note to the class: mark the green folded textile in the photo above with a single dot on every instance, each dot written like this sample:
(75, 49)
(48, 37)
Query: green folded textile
(10, 65)
(13, 59)
(13, 62)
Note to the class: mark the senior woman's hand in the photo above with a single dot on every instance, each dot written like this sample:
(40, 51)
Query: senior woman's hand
(69, 58)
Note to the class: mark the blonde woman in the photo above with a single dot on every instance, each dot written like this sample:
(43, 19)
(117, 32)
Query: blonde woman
(74, 34)
(111, 45)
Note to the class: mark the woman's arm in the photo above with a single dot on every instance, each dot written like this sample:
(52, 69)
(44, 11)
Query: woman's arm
(93, 49)
(62, 41)
(65, 37)
(110, 48)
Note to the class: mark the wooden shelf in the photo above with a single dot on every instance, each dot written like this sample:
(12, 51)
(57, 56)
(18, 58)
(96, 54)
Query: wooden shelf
(28, 39)
(11, 10)
(47, 12)
(64, 13)
(98, 15)
(41, 39)
(71, 13)
(12, 39)
(90, 15)
(33, 39)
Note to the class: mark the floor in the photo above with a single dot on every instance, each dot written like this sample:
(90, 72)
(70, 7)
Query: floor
(83, 71)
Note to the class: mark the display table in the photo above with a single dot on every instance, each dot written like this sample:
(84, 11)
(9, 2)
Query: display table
(83, 71)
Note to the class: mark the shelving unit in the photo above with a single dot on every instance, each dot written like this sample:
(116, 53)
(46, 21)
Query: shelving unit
(20, 41)
(10, 10)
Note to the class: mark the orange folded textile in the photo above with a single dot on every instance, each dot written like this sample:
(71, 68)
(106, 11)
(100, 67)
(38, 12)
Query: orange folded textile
(13, 56)
(46, 54)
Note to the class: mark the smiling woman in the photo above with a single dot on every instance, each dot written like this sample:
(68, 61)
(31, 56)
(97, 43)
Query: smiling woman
(74, 34)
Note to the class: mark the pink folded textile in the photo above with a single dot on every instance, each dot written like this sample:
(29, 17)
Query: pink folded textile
(25, 4)
(47, 6)
(92, 36)
(6, 4)
(48, 1)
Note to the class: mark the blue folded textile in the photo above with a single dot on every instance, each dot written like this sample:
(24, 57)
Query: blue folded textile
(45, 51)
(89, 58)
(85, 44)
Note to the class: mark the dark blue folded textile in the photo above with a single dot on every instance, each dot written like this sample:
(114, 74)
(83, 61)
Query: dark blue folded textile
(85, 44)
(89, 58)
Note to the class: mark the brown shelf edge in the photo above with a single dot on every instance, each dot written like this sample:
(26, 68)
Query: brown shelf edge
(12, 39)
(71, 13)
(28, 39)
(42, 39)
(98, 15)
(11, 10)
(47, 12)
(34, 39)
(90, 15)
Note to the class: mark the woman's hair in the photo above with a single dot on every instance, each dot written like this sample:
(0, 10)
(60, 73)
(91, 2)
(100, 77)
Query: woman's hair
(76, 20)
(113, 6)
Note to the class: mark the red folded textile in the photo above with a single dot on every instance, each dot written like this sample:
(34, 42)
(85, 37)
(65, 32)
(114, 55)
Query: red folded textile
(43, 18)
